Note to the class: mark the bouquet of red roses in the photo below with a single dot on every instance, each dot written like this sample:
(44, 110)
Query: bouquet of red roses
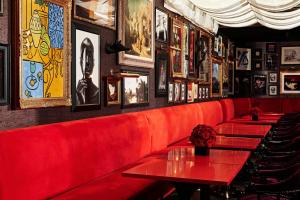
(203, 136)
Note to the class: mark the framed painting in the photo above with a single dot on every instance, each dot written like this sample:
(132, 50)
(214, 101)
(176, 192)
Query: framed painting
(258, 54)
(44, 53)
(290, 82)
(192, 39)
(220, 46)
(170, 92)
(1, 7)
(271, 61)
(190, 92)
(271, 47)
(135, 30)
(216, 46)
(259, 85)
(243, 59)
(177, 91)
(161, 73)
(85, 68)
(290, 55)
(183, 92)
(177, 69)
(99, 12)
(230, 77)
(195, 91)
(207, 96)
(225, 78)
(273, 90)
(113, 91)
(4, 74)
(273, 77)
(161, 25)
(203, 53)
(216, 80)
(200, 92)
(185, 50)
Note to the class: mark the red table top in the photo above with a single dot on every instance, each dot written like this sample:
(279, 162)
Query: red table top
(181, 165)
(262, 119)
(229, 143)
(243, 130)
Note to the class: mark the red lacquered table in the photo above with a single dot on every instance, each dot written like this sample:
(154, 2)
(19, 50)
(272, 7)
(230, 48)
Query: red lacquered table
(223, 142)
(264, 119)
(243, 130)
(180, 166)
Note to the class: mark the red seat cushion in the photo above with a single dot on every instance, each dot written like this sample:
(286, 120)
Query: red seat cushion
(268, 104)
(228, 109)
(291, 105)
(212, 113)
(242, 106)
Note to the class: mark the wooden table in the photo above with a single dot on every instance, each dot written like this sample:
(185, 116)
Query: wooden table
(180, 166)
(242, 130)
(223, 142)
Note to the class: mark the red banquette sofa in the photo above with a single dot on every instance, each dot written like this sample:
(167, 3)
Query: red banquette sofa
(84, 159)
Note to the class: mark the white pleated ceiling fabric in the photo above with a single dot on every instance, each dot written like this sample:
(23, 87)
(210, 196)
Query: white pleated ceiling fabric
(275, 14)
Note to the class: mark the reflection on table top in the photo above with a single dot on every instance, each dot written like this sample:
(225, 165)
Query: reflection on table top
(179, 164)
(262, 119)
(237, 129)
(229, 143)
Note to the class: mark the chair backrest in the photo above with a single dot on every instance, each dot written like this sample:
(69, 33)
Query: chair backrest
(228, 109)
(212, 113)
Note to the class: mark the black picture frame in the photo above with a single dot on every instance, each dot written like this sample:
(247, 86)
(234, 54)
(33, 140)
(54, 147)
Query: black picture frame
(137, 77)
(273, 90)
(273, 77)
(270, 61)
(4, 74)
(258, 65)
(112, 83)
(157, 38)
(258, 55)
(92, 29)
(259, 83)
(161, 66)
(170, 92)
(271, 47)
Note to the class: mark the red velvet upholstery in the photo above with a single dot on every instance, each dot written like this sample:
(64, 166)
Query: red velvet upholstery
(42, 161)
(168, 125)
(268, 104)
(212, 113)
(242, 106)
(228, 109)
(291, 105)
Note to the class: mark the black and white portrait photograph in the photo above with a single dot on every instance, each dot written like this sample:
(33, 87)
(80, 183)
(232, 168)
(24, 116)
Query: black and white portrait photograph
(272, 77)
(273, 90)
(290, 55)
(86, 68)
(183, 92)
(170, 92)
(177, 88)
(161, 26)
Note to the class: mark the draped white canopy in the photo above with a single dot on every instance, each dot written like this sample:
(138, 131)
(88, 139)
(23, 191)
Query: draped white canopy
(275, 14)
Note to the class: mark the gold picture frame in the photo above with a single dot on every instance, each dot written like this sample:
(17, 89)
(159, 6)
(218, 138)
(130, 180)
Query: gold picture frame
(142, 47)
(45, 53)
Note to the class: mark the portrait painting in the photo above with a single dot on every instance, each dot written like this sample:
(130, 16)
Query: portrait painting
(99, 12)
(86, 68)
(136, 90)
(135, 30)
(195, 90)
(203, 63)
(191, 68)
(216, 79)
(290, 55)
(44, 58)
(200, 92)
(183, 92)
(220, 46)
(190, 92)
(176, 34)
(185, 42)
(161, 71)
(273, 90)
(177, 92)
(243, 59)
(4, 74)
(161, 25)
(171, 92)
(113, 86)
(225, 78)
(207, 93)
(290, 82)
(273, 77)
(271, 60)
(175, 63)
(230, 77)
(259, 85)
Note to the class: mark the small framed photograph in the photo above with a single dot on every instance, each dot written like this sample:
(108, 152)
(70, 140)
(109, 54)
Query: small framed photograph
(207, 93)
(190, 92)
(199, 92)
(161, 25)
(113, 91)
(273, 90)
(290, 82)
(4, 74)
(273, 77)
(271, 61)
(192, 52)
(135, 91)
(98, 12)
(161, 73)
(177, 92)
(243, 59)
(195, 89)
(271, 47)
(216, 80)
(183, 92)
(290, 55)
(258, 54)
(177, 68)
(259, 85)
(170, 92)
(258, 65)
(86, 68)
(1, 7)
